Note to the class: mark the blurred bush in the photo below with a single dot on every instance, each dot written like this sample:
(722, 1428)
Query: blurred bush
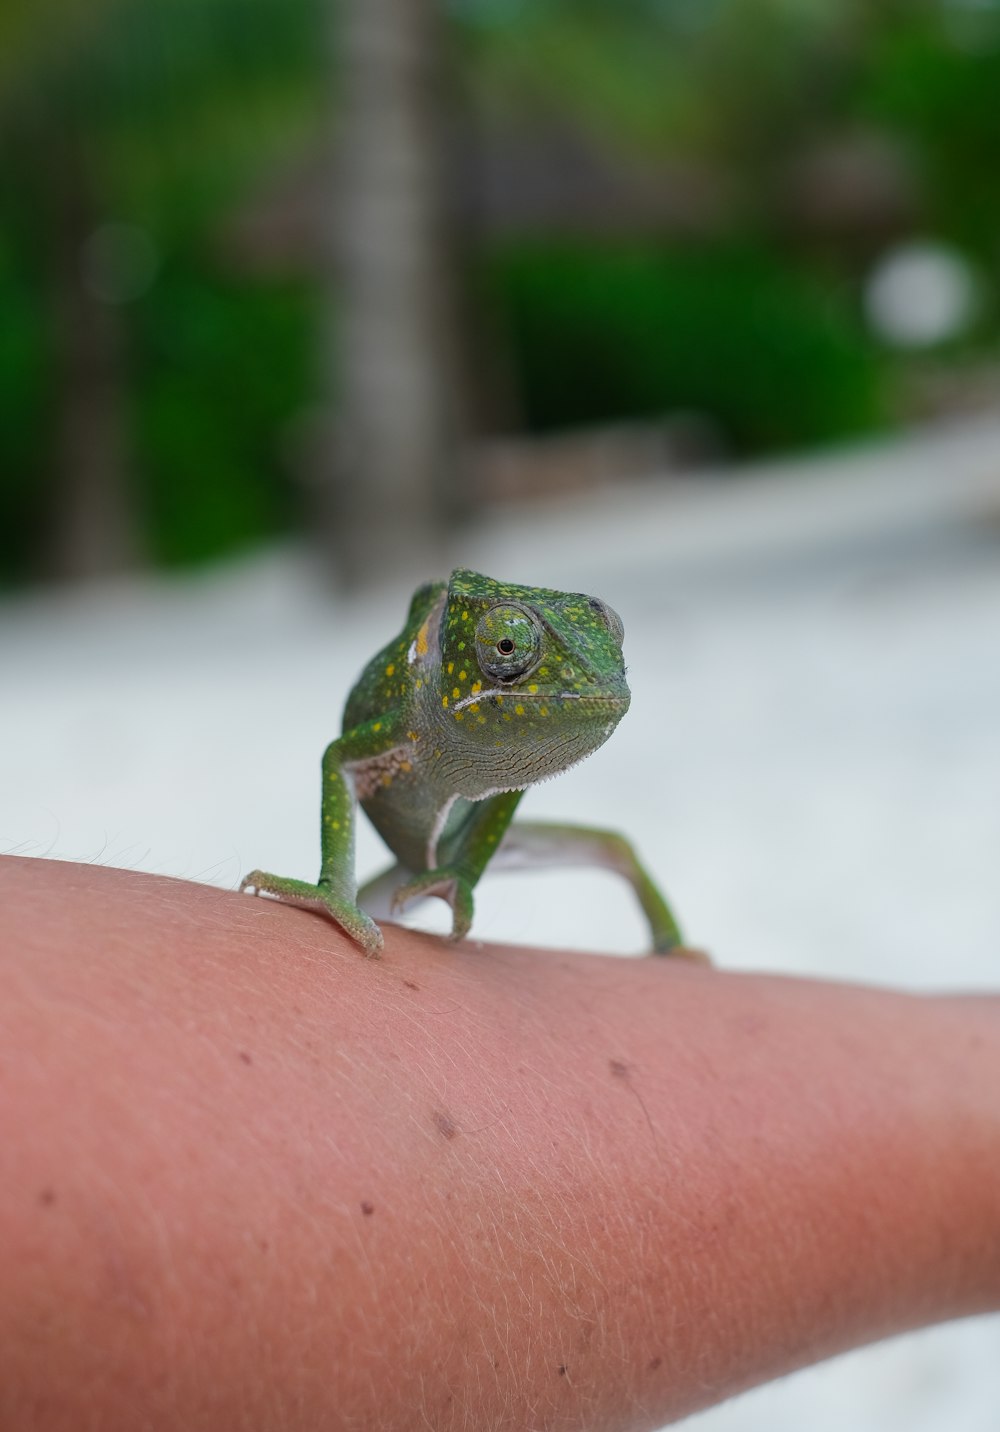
(24, 401)
(218, 368)
(776, 357)
(222, 365)
(142, 389)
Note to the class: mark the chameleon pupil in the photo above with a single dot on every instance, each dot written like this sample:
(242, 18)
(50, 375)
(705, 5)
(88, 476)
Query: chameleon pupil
(505, 646)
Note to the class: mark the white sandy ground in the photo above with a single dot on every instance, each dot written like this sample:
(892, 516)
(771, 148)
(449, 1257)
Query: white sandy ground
(811, 762)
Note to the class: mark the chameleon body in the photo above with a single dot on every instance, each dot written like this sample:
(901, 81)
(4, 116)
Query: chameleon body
(488, 689)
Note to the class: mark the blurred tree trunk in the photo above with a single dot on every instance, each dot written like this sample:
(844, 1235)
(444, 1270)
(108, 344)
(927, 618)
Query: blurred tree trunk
(395, 458)
(92, 523)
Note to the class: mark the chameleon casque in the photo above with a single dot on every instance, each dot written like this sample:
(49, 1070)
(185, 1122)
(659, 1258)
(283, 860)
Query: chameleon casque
(488, 689)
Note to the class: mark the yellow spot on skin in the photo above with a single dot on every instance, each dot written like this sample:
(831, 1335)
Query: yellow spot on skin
(482, 720)
(463, 676)
(465, 616)
(456, 693)
(476, 686)
(506, 717)
(377, 726)
(451, 667)
(333, 775)
(387, 779)
(459, 715)
(474, 706)
(412, 736)
(544, 711)
(444, 701)
(419, 684)
(499, 700)
(335, 824)
(421, 642)
(519, 710)
(532, 688)
(390, 670)
(405, 766)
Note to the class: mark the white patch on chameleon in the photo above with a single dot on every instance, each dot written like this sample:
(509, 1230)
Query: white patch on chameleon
(439, 823)
(481, 696)
(411, 655)
(497, 791)
(512, 691)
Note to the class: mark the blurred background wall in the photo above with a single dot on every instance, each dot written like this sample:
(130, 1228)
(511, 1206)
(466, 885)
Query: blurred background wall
(354, 267)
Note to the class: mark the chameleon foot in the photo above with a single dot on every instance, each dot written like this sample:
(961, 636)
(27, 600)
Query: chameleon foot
(683, 952)
(449, 886)
(358, 926)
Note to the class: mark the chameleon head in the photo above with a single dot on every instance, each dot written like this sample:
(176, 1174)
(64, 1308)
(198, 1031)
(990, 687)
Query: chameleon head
(531, 680)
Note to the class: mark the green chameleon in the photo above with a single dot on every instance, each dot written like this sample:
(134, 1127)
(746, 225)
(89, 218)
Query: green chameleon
(488, 688)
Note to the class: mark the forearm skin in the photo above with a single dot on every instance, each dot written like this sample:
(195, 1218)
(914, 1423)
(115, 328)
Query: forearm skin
(250, 1179)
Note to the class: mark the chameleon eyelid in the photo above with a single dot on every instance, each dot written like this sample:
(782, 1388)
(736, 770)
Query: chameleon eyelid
(532, 658)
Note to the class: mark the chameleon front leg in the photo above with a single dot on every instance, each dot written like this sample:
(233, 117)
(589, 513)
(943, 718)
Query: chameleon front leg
(335, 893)
(529, 845)
(466, 857)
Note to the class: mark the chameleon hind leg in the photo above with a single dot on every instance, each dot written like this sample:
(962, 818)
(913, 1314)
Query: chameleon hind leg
(532, 845)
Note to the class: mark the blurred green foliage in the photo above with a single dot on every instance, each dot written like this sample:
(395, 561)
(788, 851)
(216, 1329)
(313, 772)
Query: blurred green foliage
(168, 109)
(936, 80)
(24, 402)
(222, 367)
(163, 115)
(775, 356)
(171, 114)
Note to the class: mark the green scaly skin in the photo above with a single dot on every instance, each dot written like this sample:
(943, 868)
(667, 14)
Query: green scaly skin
(488, 689)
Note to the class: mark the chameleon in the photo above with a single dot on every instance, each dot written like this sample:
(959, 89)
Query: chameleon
(488, 689)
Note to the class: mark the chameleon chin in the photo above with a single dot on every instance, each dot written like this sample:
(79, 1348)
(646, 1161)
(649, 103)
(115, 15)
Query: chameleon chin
(488, 689)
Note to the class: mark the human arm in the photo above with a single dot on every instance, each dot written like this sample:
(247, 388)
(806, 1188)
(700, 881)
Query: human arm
(250, 1179)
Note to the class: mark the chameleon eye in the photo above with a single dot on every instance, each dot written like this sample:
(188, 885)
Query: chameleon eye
(508, 642)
